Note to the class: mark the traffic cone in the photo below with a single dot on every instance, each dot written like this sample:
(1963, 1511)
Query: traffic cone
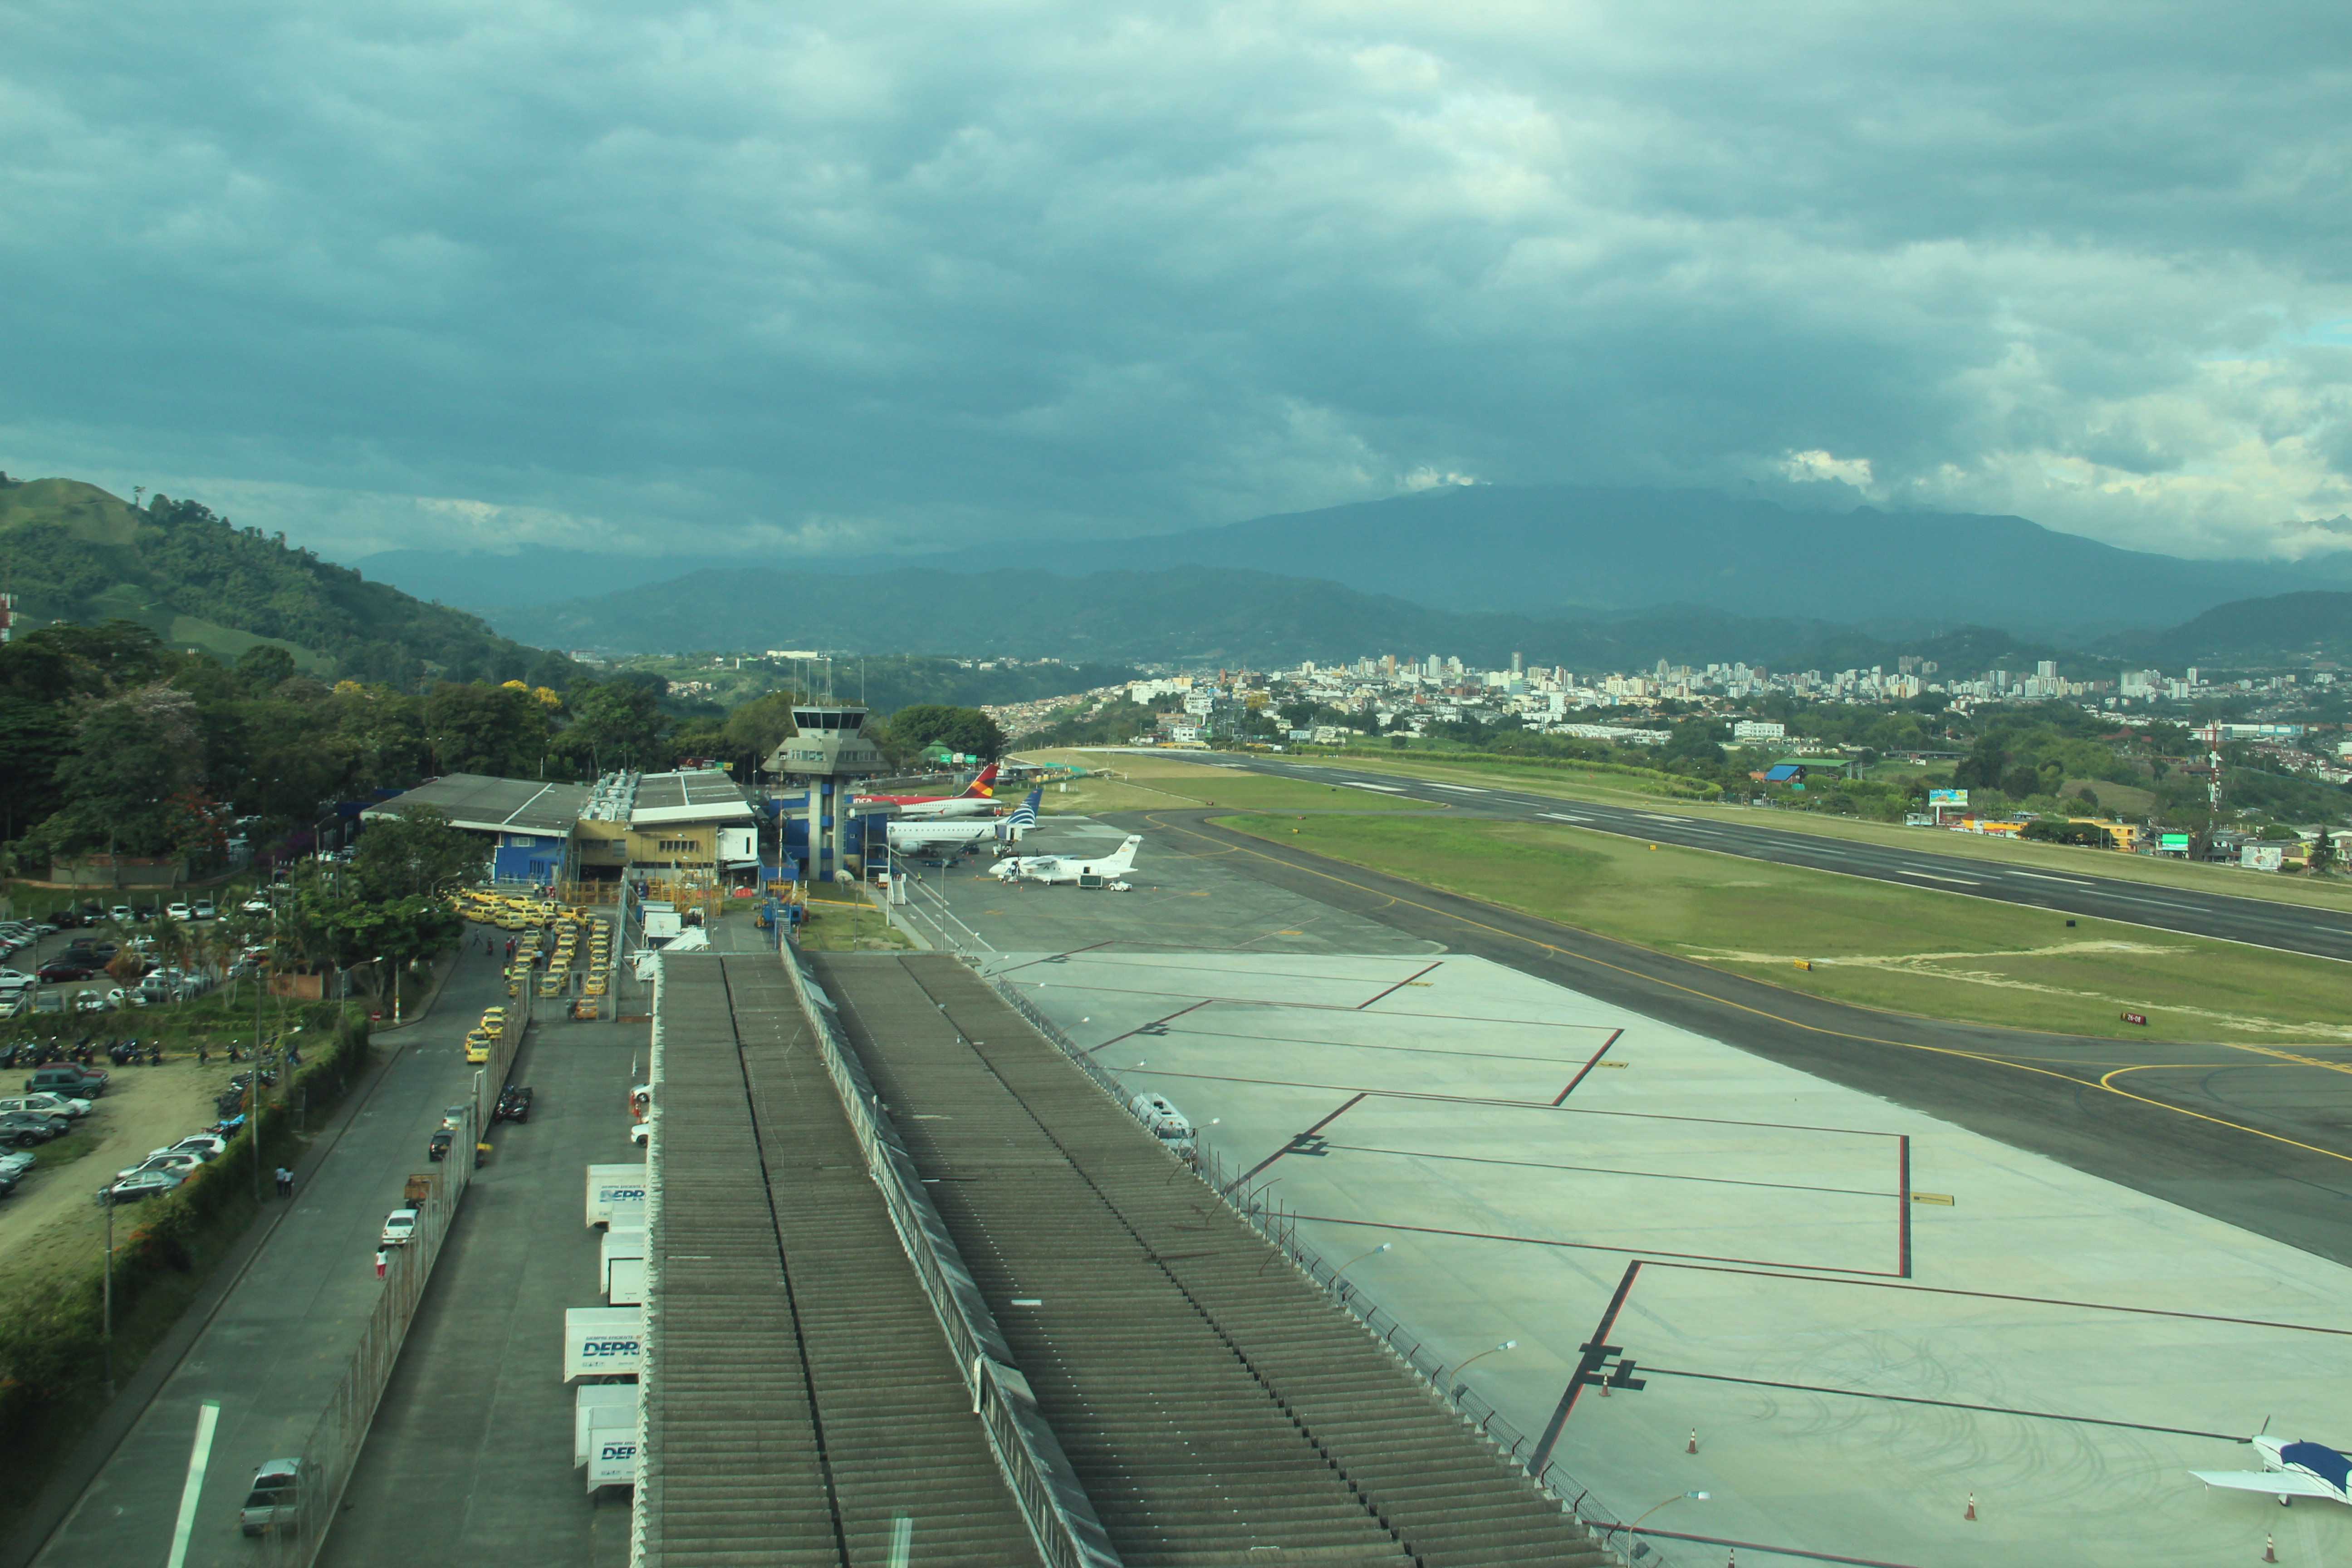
(2270, 1552)
(1691, 1447)
(1972, 1507)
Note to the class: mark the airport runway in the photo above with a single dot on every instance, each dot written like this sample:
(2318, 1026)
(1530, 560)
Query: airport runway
(2257, 1137)
(2259, 922)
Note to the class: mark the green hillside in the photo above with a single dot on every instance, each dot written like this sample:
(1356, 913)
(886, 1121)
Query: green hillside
(2284, 631)
(72, 552)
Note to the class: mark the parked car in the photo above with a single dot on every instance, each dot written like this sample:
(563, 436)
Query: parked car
(144, 1184)
(90, 1002)
(15, 1162)
(398, 1227)
(70, 966)
(180, 911)
(47, 1103)
(27, 1129)
(183, 1161)
(255, 906)
(211, 1145)
(70, 1080)
(119, 914)
(274, 1501)
(438, 1147)
(204, 910)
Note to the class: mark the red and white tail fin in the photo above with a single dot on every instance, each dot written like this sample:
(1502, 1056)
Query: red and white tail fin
(985, 786)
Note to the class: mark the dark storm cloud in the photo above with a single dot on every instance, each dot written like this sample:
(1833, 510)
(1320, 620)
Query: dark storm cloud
(653, 279)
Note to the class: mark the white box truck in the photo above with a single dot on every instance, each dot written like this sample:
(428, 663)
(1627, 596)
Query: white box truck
(602, 1342)
(610, 1184)
(613, 1462)
(622, 1264)
(601, 1410)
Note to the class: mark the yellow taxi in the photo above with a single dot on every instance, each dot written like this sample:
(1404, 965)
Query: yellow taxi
(477, 1045)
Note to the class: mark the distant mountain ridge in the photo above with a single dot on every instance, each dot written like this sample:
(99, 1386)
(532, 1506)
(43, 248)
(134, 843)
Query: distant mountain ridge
(1185, 613)
(2284, 629)
(1561, 552)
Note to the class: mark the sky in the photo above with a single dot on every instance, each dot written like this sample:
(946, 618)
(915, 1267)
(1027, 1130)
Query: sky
(790, 280)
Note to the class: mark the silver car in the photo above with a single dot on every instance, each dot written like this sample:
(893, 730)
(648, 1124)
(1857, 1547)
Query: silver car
(274, 1501)
(145, 1184)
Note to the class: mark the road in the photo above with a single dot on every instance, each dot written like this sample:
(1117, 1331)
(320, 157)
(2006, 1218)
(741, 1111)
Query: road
(2255, 1137)
(2258, 922)
(279, 1342)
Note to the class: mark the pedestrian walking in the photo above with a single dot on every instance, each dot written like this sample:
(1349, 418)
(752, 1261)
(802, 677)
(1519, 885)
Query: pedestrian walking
(285, 1182)
(204, 1054)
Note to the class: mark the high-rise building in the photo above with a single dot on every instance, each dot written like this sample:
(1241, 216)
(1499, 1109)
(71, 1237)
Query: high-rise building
(1518, 664)
(2046, 668)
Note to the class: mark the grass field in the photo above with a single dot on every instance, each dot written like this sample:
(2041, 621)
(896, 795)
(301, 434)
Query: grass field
(2327, 892)
(1941, 955)
(840, 926)
(1146, 781)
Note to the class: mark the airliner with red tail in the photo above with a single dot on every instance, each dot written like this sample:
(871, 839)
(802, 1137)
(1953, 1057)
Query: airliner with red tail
(979, 799)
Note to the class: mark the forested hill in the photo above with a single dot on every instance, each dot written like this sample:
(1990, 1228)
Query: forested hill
(72, 552)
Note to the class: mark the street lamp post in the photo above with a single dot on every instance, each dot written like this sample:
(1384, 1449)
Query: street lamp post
(1678, 1497)
(1374, 1252)
(106, 1333)
(1454, 1384)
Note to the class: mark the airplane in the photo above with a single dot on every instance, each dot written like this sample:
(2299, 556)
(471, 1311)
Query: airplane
(977, 800)
(933, 833)
(2289, 1470)
(1052, 868)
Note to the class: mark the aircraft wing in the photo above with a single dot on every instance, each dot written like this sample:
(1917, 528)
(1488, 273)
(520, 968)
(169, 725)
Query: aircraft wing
(2276, 1483)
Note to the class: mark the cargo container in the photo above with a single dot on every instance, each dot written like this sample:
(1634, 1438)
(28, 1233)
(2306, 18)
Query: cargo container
(611, 1185)
(602, 1342)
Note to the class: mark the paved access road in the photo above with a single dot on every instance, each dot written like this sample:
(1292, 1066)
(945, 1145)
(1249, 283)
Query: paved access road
(277, 1345)
(2259, 922)
(2251, 1136)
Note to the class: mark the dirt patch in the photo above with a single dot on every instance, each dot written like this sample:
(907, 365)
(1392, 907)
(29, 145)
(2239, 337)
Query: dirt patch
(52, 1222)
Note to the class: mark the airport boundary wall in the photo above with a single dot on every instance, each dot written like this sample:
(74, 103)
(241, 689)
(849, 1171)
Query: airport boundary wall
(332, 1448)
(1060, 1516)
(1278, 1228)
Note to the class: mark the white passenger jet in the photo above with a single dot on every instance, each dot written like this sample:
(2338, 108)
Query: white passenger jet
(2289, 1470)
(955, 832)
(1051, 869)
(979, 799)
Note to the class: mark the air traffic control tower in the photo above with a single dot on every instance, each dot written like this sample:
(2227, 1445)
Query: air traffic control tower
(827, 757)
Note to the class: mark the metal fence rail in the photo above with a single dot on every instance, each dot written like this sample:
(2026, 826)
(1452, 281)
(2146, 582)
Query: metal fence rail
(1060, 1516)
(1278, 1228)
(332, 1448)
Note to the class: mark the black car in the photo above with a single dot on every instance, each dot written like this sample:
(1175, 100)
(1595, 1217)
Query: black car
(514, 1104)
(143, 913)
(439, 1148)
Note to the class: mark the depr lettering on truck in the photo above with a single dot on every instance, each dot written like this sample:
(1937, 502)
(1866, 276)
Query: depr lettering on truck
(602, 1342)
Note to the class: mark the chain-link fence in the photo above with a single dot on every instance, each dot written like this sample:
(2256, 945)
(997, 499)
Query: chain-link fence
(1278, 1227)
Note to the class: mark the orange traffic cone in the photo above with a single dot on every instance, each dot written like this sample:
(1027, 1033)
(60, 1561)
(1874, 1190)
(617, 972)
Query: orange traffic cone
(2270, 1552)
(1692, 1445)
(1972, 1507)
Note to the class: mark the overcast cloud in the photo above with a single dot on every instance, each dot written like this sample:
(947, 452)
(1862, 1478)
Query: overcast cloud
(656, 278)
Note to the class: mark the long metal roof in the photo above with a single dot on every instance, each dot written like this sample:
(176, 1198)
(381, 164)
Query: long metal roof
(706, 795)
(487, 805)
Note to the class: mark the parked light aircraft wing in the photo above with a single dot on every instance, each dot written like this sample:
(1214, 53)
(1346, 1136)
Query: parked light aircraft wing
(2276, 1483)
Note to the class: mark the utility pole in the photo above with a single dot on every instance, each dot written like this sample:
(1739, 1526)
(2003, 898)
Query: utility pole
(107, 1332)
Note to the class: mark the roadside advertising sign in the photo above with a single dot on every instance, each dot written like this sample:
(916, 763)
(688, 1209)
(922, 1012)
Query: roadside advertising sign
(1948, 797)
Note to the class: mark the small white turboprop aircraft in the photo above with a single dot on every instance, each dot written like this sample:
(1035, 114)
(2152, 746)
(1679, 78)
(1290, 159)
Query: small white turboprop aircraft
(1050, 868)
(2289, 1470)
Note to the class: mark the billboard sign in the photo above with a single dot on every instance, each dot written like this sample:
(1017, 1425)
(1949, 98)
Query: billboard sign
(2174, 841)
(1955, 798)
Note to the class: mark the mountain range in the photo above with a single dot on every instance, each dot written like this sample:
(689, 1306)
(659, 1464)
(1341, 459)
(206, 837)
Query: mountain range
(1560, 552)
